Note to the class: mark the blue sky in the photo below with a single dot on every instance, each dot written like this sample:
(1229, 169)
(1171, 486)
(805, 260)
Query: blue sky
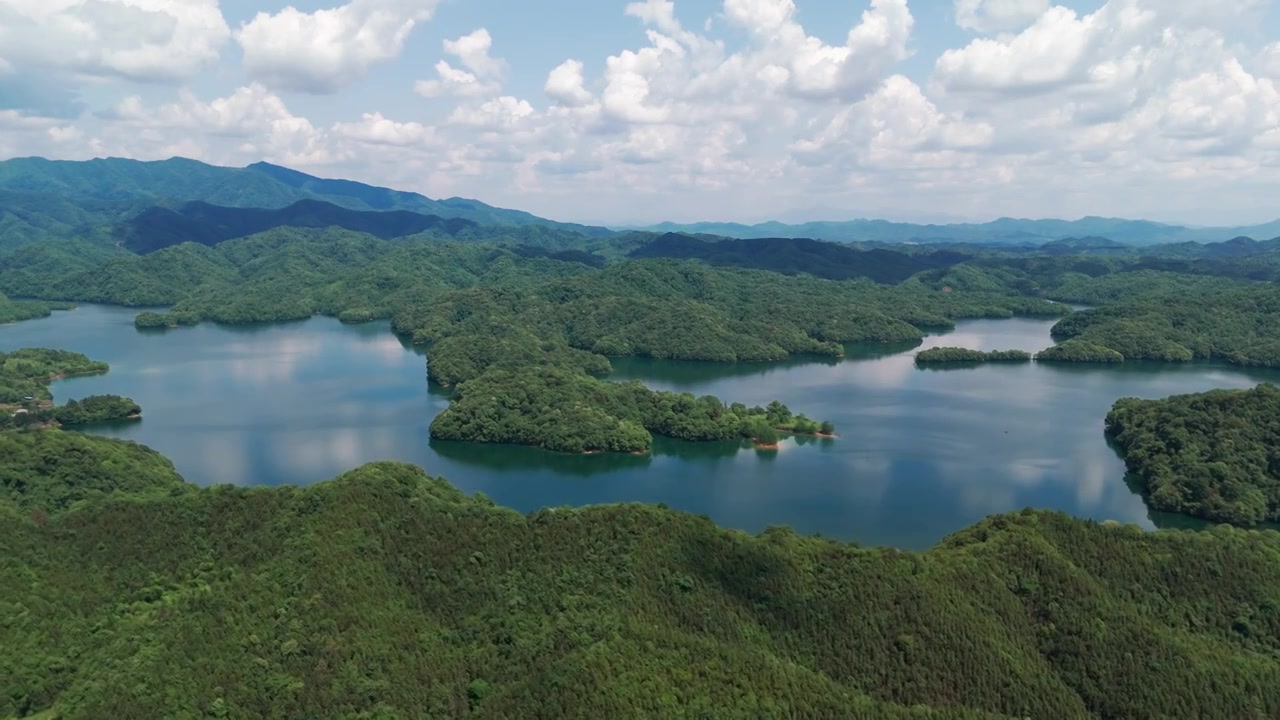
(626, 112)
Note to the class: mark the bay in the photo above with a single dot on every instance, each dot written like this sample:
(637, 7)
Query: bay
(921, 452)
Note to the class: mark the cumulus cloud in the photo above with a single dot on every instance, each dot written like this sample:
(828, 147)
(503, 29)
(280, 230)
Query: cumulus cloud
(140, 40)
(482, 75)
(566, 85)
(375, 129)
(327, 50)
(254, 119)
(501, 112)
(1134, 77)
(894, 127)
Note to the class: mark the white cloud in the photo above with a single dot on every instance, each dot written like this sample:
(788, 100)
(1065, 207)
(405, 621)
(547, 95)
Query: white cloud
(566, 85)
(14, 120)
(6, 68)
(502, 112)
(894, 127)
(996, 15)
(483, 74)
(324, 51)
(142, 40)
(813, 68)
(1269, 61)
(256, 120)
(473, 51)
(375, 129)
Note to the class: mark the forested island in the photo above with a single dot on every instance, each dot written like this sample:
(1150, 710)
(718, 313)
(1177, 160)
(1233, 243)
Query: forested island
(566, 411)
(165, 321)
(1213, 455)
(943, 355)
(245, 602)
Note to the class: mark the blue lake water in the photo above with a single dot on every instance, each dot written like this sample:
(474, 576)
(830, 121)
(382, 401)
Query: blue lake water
(921, 453)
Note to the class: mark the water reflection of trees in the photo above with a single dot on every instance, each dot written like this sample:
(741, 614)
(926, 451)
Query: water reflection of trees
(517, 458)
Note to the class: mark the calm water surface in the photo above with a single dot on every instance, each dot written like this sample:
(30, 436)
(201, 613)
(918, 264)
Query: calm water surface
(921, 453)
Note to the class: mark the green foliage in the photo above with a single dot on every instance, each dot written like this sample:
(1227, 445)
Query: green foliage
(387, 593)
(791, 256)
(1214, 455)
(1079, 351)
(1150, 314)
(19, 310)
(1162, 316)
(27, 372)
(683, 310)
(565, 410)
(51, 470)
(154, 320)
(461, 357)
(97, 409)
(964, 355)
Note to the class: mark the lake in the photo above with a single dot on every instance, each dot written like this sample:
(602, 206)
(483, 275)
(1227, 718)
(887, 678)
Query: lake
(921, 453)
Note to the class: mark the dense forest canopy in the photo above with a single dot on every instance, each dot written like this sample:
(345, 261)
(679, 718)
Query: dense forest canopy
(1214, 455)
(19, 310)
(940, 355)
(388, 593)
(27, 372)
(570, 412)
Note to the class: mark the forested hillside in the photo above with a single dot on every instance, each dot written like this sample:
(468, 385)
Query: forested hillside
(387, 593)
(832, 261)
(19, 310)
(1214, 455)
(50, 199)
(206, 224)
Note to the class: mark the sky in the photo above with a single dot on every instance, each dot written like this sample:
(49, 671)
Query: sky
(617, 112)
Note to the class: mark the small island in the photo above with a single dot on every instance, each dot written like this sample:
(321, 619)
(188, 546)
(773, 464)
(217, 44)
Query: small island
(165, 321)
(943, 355)
(568, 411)
(1079, 351)
(1213, 455)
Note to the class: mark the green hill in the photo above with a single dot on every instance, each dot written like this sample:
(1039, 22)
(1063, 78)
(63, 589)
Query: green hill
(389, 594)
(42, 198)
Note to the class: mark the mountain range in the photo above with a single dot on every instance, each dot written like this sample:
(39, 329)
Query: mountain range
(1005, 231)
(144, 206)
(42, 198)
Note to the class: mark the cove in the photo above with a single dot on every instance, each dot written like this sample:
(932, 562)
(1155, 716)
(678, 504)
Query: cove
(921, 453)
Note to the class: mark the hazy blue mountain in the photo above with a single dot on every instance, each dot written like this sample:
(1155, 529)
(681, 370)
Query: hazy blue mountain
(159, 227)
(95, 191)
(1005, 231)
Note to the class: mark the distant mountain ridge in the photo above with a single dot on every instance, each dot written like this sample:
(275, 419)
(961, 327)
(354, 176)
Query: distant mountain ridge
(159, 227)
(117, 186)
(1005, 231)
(832, 261)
